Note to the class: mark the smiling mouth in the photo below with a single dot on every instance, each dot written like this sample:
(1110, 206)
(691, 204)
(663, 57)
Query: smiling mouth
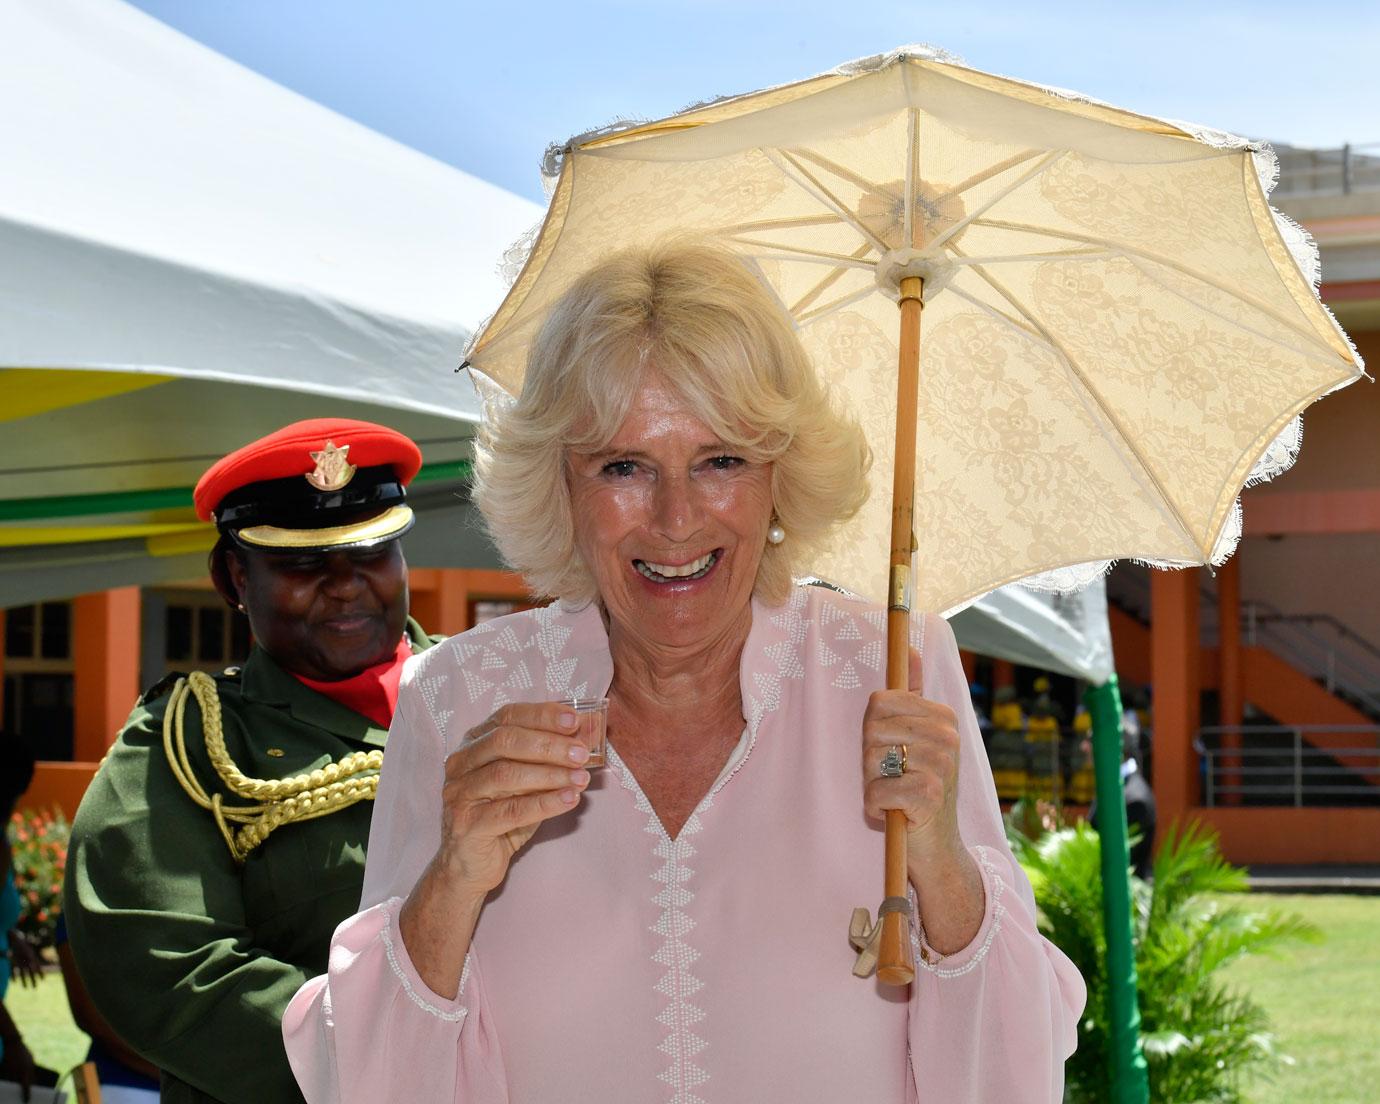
(670, 573)
(349, 622)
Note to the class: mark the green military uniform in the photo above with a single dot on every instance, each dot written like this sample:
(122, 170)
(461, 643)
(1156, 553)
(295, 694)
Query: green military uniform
(190, 955)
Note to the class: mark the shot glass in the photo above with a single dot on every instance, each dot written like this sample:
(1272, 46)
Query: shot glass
(592, 729)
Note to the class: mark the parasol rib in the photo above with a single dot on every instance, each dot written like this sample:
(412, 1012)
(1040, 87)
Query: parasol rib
(781, 252)
(912, 172)
(801, 223)
(1154, 258)
(1025, 177)
(813, 187)
(1149, 274)
(838, 304)
(1141, 470)
(1055, 255)
(843, 172)
(825, 284)
(986, 174)
(1002, 316)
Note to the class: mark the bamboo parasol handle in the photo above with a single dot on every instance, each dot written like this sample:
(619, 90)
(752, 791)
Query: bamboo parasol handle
(895, 962)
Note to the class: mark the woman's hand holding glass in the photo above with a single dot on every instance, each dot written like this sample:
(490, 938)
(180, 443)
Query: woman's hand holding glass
(521, 767)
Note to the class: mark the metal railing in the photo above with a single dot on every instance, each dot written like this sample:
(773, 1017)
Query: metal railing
(1322, 647)
(1317, 644)
(1277, 765)
(1336, 171)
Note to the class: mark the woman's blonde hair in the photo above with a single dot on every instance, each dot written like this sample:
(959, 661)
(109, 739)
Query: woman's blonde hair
(706, 325)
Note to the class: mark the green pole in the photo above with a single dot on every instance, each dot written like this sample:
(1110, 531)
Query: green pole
(1130, 1082)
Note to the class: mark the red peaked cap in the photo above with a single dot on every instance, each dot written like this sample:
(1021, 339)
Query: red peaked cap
(287, 452)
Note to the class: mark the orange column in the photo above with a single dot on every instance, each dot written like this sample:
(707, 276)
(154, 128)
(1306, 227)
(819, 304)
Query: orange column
(105, 652)
(1229, 685)
(1003, 673)
(453, 602)
(969, 661)
(1174, 671)
(422, 583)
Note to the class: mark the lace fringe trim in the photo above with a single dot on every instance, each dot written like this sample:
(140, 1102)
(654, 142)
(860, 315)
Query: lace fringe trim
(930, 960)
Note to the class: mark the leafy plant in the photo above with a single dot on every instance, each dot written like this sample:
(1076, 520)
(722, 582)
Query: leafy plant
(1200, 1038)
(38, 842)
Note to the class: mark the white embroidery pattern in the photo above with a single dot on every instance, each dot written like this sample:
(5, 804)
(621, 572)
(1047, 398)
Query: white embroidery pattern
(848, 648)
(459, 1014)
(681, 1016)
(678, 984)
(764, 695)
(496, 667)
(996, 887)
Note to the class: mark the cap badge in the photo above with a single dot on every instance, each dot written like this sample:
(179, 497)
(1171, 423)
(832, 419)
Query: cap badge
(333, 469)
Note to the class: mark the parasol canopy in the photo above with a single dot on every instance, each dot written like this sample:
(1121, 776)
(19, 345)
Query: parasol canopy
(1119, 333)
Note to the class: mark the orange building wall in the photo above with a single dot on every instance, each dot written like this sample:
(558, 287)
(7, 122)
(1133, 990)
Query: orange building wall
(1288, 836)
(1339, 440)
(58, 786)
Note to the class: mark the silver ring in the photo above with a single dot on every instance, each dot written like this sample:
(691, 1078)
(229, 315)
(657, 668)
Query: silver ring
(894, 761)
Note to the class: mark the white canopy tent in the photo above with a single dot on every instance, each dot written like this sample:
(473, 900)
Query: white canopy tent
(191, 255)
(1064, 633)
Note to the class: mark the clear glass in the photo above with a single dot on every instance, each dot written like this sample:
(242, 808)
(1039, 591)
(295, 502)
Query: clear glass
(593, 715)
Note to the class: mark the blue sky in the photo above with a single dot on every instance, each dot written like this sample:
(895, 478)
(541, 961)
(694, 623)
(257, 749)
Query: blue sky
(487, 86)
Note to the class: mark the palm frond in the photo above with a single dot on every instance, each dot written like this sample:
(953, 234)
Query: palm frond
(1201, 1041)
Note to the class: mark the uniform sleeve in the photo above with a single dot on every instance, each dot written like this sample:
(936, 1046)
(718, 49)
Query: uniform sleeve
(370, 1029)
(998, 1019)
(157, 925)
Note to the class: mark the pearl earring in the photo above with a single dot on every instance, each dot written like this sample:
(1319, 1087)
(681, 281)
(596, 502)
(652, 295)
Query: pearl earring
(776, 534)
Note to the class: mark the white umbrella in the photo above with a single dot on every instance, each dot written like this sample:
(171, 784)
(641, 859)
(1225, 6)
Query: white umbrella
(1117, 336)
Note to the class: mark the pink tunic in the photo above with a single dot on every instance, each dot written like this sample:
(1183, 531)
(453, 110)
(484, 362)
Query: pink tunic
(617, 964)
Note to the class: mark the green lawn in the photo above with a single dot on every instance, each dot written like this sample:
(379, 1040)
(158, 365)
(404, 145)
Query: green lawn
(1324, 1000)
(43, 1019)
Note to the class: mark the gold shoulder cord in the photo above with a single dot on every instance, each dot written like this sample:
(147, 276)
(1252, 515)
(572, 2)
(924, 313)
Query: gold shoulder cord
(279, 801)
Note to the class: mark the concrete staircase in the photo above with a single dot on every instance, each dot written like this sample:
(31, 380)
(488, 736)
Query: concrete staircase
(1289, 689)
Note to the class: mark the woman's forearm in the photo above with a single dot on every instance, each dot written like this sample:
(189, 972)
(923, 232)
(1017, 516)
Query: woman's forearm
(437, 922)
(948, 887)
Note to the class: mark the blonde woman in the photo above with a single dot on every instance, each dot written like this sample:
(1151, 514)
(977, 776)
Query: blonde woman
(673, 928)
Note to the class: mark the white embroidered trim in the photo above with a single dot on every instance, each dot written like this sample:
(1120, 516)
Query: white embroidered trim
(996, 887)
(458, 1016)
(678, 984)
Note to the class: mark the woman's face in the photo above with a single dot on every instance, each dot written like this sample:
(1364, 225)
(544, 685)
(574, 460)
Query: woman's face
(672, 523)
(325, 615)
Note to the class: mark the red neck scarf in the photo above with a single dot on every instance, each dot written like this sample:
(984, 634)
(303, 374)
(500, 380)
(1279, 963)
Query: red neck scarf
(372, 693)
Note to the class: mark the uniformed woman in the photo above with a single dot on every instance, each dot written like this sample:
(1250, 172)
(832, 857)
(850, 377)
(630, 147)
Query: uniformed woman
(223, 838)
